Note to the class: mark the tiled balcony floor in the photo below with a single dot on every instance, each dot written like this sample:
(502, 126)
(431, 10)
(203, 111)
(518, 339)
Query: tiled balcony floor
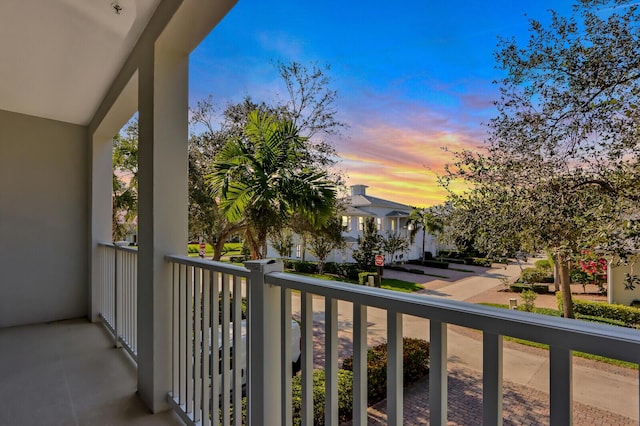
(69, 373)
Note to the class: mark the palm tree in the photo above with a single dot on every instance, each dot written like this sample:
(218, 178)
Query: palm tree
(424, 220)
(260, 177)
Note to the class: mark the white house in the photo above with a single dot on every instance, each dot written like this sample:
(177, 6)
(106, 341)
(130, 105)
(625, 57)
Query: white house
(617, 291)
(390, 217)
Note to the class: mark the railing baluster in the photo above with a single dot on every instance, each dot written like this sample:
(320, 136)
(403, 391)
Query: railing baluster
(117, 288)
(226, 344)
(492, 379)
(560, 388)
(183, 335)
(437, 373)
(331, 361)
(306, 302)
(286, 355)
(175, 332)
(238, 352)
(189, 339)
(394, 368)
(206, 347)
(359, 365)
(198, 348)
(216, 281)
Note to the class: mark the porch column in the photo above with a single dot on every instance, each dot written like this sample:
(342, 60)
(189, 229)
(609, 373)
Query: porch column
(162, 211)
(100, 213)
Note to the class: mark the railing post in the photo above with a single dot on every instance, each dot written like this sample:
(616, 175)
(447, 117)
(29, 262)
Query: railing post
(116, 297)
(264, 336)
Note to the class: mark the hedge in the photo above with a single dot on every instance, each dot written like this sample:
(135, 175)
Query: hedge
(625, 314)
(537, 288)
(430, 263)
(345, 397)
(415, 359)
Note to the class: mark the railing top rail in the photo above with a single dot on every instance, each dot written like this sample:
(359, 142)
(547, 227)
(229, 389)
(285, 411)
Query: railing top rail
(211, 265)
(600, 339)
(118, 247)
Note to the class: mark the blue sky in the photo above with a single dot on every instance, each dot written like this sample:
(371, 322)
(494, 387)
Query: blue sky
(411, 78)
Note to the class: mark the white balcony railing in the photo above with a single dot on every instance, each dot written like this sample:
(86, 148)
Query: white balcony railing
(118, 293)
(207, 324)
(269, 380)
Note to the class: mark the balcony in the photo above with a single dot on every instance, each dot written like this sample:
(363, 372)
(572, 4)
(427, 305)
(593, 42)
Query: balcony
(72, 370)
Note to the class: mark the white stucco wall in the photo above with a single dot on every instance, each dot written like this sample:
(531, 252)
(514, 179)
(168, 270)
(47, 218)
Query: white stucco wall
(616, 292)
(43, 220)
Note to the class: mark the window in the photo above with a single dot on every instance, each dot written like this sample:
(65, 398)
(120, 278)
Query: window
(393, 226)
(361, 223)
(379, 224)
(346, 223)
(298, 250)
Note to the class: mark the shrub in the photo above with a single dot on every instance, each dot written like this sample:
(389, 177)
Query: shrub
(528, 300)
(430, 263)
(331, 268)
(544, 264)
(345, 397)
(537, 288)
(238, 259)
(305, 267)
(628, 315)
(415, 358)
(531, 275)
(478, 261)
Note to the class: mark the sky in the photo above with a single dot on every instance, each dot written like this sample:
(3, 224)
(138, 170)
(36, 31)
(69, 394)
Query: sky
(412, 77)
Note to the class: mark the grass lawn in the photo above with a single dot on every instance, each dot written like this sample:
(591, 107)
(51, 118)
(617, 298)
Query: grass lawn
(230, 249)
(556, 313)
(388, 283)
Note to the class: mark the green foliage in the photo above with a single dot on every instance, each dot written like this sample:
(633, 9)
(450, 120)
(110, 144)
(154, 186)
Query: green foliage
(369, 244)
(544, 265)
(394, 243)
(264, 180)
(528, 300)
(532, 275)
(415, 358)
(324, 239)
(536, 288)
(125, 181)
(430, 263)
(400, 285)
(345, 397)
(625, 314)
(305, 267)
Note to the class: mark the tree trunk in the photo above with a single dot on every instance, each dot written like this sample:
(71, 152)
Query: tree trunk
(565, 284)
(424, 235)
(556, 276)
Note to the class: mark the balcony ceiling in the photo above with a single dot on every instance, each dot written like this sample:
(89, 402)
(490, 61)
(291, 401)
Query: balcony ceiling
(59, 57)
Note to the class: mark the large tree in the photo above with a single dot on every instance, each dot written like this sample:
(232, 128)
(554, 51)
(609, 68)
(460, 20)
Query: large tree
(561, 167)
(261, 180)
(308, 105)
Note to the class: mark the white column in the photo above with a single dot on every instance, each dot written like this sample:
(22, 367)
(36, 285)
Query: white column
(100, 214)
(162, 211)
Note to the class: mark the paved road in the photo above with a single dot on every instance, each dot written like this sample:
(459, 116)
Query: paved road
(592, 386)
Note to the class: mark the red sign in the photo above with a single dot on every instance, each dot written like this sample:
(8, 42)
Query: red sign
(203, 249)
(379, 260)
